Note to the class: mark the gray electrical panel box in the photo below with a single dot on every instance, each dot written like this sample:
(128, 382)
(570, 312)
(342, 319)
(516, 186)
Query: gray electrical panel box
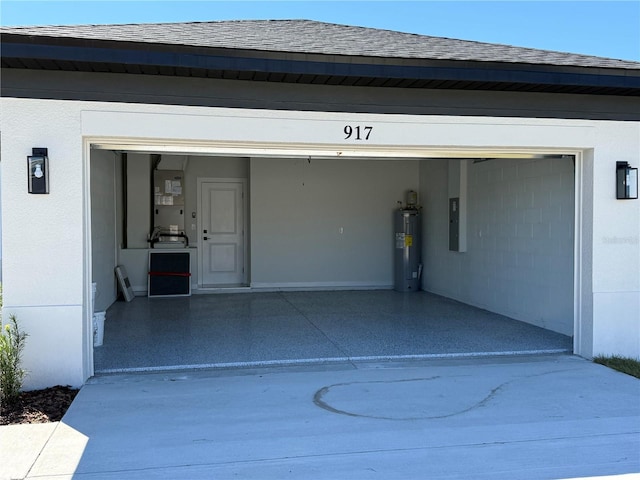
(454, 224)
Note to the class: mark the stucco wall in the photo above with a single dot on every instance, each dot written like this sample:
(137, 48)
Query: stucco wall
(615, 244)
(47, 242)
(45, 273)
(0, 222)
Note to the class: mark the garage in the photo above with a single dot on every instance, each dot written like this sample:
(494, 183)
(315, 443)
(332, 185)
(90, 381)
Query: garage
(521, 160)
(317, 232)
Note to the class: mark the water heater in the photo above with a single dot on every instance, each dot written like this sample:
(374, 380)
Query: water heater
(407, 257)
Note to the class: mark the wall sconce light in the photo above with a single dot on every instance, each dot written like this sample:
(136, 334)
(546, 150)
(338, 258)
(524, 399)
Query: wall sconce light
(38, 171)
(626, 181)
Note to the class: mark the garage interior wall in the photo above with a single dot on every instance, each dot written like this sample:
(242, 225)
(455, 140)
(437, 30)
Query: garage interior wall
(314, 223)
(519, 258)
(135, 256)
(103, 222)
(325, 222)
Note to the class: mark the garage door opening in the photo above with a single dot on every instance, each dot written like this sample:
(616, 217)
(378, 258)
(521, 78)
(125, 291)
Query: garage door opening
(318, 232)
(298, 328)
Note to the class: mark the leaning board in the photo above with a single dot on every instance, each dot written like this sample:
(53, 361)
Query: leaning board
(123, 283)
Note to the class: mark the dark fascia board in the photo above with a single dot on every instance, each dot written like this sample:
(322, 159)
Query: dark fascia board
(100, 52)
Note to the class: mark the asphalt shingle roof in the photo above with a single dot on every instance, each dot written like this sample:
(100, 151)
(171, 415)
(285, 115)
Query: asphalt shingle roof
(311, 37)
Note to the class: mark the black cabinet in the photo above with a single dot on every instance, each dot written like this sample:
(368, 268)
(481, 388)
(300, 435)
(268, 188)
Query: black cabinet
(169, 274)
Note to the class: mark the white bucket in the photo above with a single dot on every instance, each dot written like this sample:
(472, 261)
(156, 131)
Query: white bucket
(98, 328)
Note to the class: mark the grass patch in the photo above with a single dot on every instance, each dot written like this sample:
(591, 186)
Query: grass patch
(626, 365)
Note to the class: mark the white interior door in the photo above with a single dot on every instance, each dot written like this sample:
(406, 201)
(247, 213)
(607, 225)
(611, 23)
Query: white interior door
(222, 242)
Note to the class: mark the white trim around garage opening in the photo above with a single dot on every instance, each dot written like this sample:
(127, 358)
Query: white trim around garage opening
(411, 152)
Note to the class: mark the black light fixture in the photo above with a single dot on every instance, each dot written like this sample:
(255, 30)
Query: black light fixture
(38, 170)
(626, 181)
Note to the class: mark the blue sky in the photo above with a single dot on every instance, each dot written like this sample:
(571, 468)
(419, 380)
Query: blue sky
(603, 28)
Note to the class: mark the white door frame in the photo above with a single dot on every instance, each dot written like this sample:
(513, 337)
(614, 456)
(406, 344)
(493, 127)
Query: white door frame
(200, 244)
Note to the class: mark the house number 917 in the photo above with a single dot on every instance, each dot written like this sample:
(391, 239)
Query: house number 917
(357, 132)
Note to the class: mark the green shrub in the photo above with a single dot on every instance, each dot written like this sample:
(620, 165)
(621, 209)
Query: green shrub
(12, 374)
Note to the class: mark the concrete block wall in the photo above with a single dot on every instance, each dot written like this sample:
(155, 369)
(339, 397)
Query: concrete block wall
(520, 239)
(521, 221)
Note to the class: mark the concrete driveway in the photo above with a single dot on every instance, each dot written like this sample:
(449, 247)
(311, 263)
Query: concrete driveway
(554, 416)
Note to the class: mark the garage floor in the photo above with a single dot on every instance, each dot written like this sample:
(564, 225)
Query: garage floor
(240, 329)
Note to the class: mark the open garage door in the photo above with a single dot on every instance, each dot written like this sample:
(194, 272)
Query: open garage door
(327, 224)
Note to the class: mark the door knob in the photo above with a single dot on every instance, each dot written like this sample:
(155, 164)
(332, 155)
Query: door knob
(205, 238)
